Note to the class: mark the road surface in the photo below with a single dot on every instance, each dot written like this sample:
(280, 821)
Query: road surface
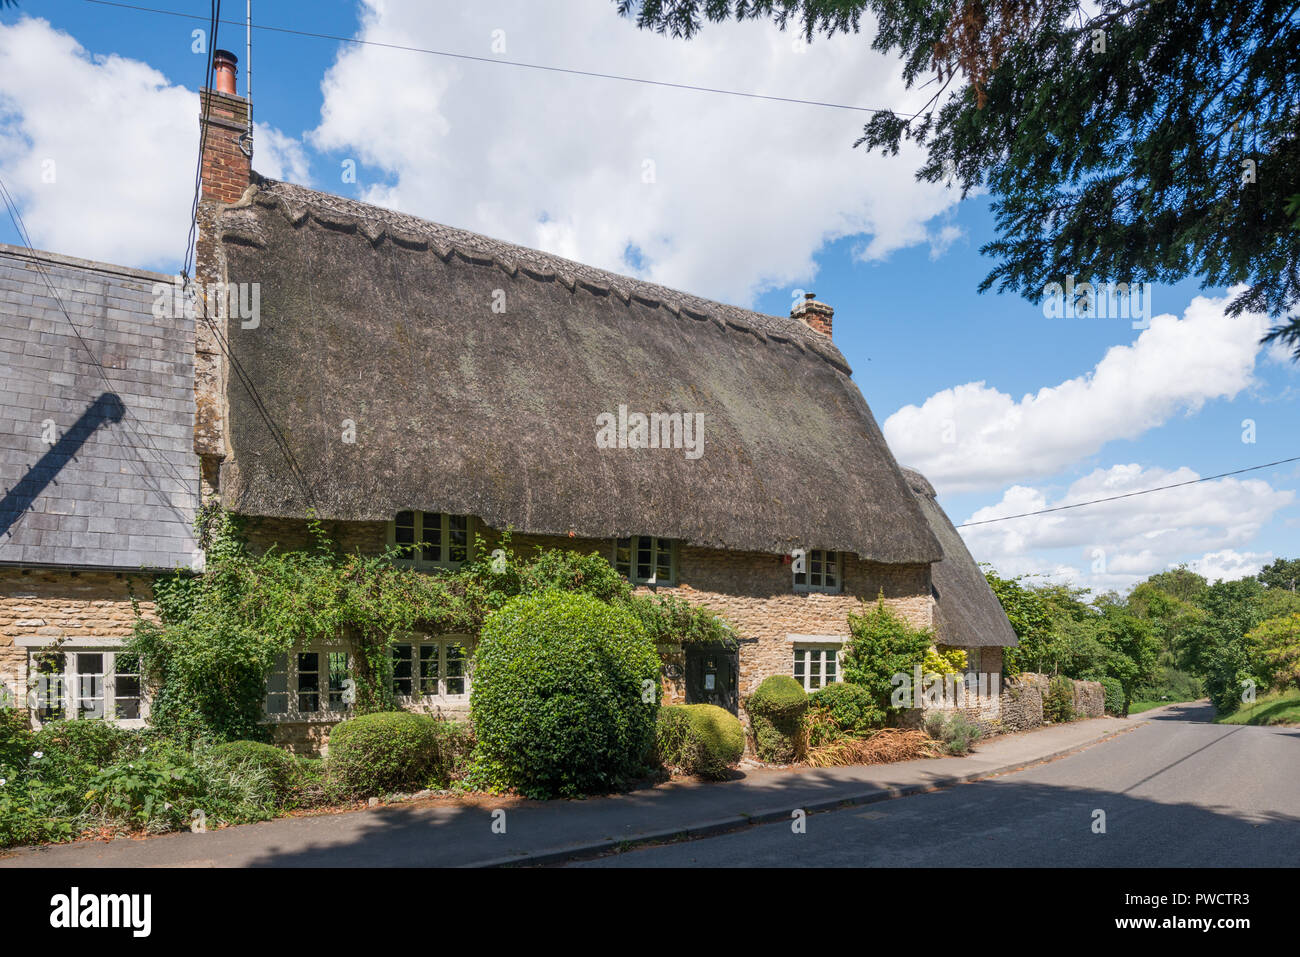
(1177, 792)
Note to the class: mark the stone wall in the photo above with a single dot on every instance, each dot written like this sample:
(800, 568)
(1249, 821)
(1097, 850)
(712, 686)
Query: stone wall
(51, 605)
(1089, 699)
(1022, 702)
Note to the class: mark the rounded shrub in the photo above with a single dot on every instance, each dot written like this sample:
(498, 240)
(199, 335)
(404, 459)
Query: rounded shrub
(279, 766)
(776, 710)
(700, 739)
(849, 708)
(558, 697)
(373, 754)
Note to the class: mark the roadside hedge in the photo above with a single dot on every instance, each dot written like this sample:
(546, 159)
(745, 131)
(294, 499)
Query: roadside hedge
(1114, 695)
(699, 739)
(776, 710)
(564, 697)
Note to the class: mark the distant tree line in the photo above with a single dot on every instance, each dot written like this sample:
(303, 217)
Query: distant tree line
(1175, 636)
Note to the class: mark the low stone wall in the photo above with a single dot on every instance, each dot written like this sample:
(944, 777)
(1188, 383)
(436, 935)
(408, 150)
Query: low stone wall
(1089, 699)
(1022, 702)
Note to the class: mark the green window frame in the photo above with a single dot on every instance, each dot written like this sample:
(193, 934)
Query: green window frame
(646, 559)
(430, 539)
(823, 572)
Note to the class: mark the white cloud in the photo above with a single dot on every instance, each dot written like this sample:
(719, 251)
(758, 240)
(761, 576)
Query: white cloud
(973, 436)
(70, 123)
(1114, 544)
(1229, 565)
(279, 156)
(719, 195)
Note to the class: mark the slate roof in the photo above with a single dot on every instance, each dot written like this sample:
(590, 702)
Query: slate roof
(99, 496)
(967, 614)
(388, 321)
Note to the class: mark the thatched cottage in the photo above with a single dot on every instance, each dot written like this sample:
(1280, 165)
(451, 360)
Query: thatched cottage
(429, 383)
(409, 382)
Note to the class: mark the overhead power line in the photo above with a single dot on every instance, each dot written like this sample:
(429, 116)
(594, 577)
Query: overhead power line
(503, 62)
(1145, 491)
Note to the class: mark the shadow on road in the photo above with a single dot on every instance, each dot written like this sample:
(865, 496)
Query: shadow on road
(1188, 711)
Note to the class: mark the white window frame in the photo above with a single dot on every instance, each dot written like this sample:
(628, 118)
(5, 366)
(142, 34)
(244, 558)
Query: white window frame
(444, 531)
(628, 568)
(293, 713)
(809, 584)
(819, 651)
(416, 641)
(70, 680)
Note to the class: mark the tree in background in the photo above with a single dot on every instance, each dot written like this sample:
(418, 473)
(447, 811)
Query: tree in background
(1218, 646)
(1029, 618)
(1278, 640)
(1149, 143)
(1283, 574)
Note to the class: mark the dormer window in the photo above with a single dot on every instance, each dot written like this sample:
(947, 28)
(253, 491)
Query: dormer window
(822, 571)
(430, 539)
(646, 560)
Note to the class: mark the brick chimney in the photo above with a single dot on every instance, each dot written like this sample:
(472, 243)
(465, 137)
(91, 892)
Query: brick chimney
(226, 173)
(817, 315)
(226, 170)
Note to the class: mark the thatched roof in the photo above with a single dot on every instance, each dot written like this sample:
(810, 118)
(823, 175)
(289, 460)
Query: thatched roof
(388, 320)
(967, 613)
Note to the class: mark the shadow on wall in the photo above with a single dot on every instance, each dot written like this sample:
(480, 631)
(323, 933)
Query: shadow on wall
(108, 408)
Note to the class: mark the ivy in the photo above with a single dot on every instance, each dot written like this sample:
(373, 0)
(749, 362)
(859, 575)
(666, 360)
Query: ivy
(220, 632)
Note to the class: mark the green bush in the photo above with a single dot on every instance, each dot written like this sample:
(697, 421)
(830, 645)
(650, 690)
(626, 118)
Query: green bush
(559, 699)
(883, 644)
(15, 738)
(89, 742)
(844, 709)
(700, 739)
(955, 732)
(280, 767)
(776, 710)
(1058, 703)
(1114, 695)
(374, 754)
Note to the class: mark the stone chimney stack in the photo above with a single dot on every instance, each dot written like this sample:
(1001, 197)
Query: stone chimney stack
(817, 315)
(226, 173)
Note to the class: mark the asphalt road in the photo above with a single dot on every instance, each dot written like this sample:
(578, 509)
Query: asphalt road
(1178, 791)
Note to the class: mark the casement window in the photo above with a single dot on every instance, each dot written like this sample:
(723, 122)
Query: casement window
(645, 560)
(430, 539)
(86, 684)
(821, 572)
(431, 667)
(309, 684)
(816, 666)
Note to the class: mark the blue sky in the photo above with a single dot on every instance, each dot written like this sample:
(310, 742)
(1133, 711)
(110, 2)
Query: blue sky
(741, 200)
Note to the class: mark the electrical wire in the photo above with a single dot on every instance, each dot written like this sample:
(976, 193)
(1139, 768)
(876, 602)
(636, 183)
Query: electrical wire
(1147, 491)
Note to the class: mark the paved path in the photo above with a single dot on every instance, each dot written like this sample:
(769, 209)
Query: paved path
(443, 834)
(1176, 792)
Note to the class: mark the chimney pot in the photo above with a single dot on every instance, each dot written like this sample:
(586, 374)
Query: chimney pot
(224, 65)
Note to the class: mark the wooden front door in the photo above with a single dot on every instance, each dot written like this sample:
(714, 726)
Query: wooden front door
(712, 675)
